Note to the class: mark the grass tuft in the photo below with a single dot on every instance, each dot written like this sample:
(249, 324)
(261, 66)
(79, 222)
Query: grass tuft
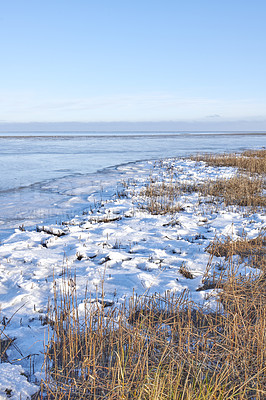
(252, 161)
(158, 347)
(238, 190)
(251, 250)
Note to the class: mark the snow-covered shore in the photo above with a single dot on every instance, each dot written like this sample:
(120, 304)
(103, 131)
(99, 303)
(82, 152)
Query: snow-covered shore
(117, 242)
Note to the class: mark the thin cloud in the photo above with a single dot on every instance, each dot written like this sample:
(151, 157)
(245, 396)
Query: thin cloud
(214, 116)
(137, 107)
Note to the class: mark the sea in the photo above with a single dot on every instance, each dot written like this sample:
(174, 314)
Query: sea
(47, 177)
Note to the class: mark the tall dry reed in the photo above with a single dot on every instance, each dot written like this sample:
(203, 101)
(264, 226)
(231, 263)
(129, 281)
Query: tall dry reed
(165, 347)
(158, 347)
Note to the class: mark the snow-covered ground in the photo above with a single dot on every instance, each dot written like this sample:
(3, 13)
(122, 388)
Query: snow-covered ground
(117, 242)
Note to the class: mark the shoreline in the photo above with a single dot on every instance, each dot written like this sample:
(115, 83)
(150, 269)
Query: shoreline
(126, 242)
(116, 134)
(22, 165)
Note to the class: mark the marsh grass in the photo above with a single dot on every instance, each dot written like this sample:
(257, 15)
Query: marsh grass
(252, 161)
(166, 347)
(239, 190)
(160, 198)
(246, 188)
(185, 271)
(158, 347)
(163, 198)
(251, 250)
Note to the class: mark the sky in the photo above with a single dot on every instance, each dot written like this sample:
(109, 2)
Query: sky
(141, 60)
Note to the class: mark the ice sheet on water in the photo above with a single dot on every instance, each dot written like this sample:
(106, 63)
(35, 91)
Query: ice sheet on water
(40, 173)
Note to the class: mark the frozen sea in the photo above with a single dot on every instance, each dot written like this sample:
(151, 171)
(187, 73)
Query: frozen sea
(48, 177)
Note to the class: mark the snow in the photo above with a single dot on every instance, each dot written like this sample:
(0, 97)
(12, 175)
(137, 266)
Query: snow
(14, 384)
(118, 243)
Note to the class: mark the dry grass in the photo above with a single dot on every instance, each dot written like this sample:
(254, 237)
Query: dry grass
(5, 340)
(239, 190)
(185, 271)
(246, 188)
(252, 161)
(167, 348)
(160, 198)
(251, 250)
(5, 343)
(159, 347)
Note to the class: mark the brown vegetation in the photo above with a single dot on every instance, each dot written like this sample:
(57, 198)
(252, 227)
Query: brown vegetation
(166, 347)
(239, 190)
(159, 347)
(247, 187)
(251, 250)
(161, 198)
(185, 271)
(253, 161)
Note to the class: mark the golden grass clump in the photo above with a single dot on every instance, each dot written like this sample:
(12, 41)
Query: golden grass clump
(252, 161)
(251, 250)
(247, 188)
(158, 347)
(160, 198)
(185, 271)
(238, 190)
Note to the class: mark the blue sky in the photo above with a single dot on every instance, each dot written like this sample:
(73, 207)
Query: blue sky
(120, 60)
